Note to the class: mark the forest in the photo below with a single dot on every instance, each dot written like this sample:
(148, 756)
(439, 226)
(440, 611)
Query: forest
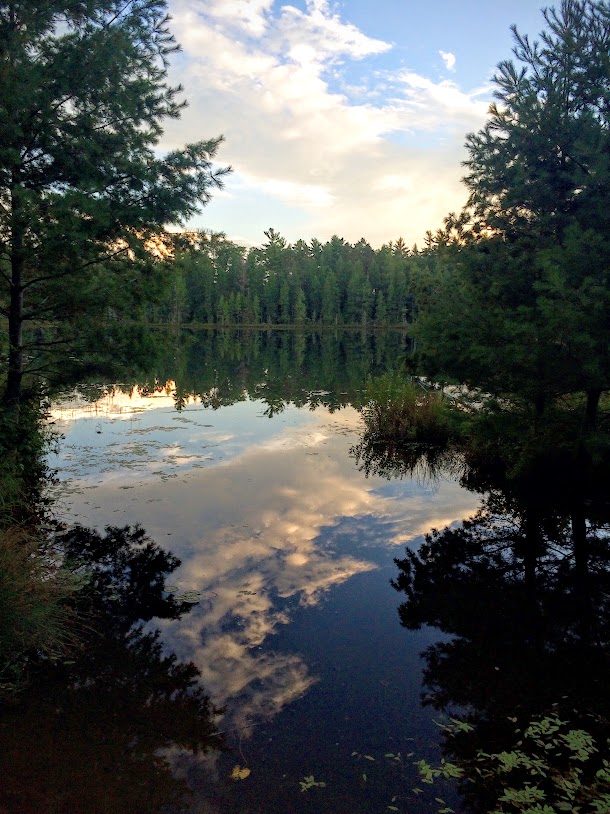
(215, 282)
(523, 267)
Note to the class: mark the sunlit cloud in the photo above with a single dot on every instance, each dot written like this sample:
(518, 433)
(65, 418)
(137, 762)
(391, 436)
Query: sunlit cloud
(299, 194)
(318, 34)
(441, 104)
(306, 149)
(249, 15)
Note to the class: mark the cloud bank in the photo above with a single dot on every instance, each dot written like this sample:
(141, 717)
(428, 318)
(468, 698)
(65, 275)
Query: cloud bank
(319, 123)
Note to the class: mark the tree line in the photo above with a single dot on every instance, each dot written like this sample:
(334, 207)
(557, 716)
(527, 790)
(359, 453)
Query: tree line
(211, 280)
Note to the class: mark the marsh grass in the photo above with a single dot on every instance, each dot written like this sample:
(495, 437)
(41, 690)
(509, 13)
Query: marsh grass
(405, 410)
(410, 430)
(36, 620)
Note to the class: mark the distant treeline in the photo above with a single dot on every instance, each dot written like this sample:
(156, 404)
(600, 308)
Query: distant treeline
(215, 281)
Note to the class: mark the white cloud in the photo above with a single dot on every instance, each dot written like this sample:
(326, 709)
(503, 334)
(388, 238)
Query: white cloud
(271, 79)
(448, 59)
(248, 15)
(441, 105)
(324, 34)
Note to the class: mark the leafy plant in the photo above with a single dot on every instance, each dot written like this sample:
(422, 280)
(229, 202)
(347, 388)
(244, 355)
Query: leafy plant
(555, 766)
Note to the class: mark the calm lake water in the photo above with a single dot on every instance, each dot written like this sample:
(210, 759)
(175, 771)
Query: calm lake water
(273, 668)
(288, 549)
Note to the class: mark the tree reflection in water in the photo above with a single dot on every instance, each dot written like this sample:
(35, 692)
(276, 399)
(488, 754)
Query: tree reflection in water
(522, 593)
(95, 735)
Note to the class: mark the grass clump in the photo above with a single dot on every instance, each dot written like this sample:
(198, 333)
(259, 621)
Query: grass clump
(36, 620)
(405, 410)
(410, 430)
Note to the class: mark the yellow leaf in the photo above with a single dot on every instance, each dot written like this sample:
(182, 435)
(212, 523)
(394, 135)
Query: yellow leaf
(240, 774)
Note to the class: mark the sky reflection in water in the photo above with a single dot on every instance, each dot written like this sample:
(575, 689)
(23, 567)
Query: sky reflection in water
(269, 517)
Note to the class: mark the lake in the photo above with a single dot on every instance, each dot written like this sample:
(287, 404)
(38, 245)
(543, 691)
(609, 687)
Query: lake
(240, 462)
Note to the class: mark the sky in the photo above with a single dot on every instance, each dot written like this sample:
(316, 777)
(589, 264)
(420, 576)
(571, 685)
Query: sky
(344, 118)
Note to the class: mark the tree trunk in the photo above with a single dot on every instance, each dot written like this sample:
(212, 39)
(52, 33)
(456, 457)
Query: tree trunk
(15, 333)
(15, 315)
(539, 404)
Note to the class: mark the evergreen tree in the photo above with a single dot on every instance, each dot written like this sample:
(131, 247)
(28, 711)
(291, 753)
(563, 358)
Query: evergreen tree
(300, 310)
(83, 95)
(358, 296)
(330, 299)
(522, 305)
(381, 314)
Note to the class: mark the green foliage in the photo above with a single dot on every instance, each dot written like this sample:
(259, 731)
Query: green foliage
(25, 440)
(411, 429)
(35, 617)
(405, 410)
(83, 95)
(310, 782)
(555, 766)
(335, 283)
(514, 295)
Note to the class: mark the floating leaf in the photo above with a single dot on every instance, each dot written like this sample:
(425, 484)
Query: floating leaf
(240, 774)
(190, 597)
(369, 757)
(309, 783)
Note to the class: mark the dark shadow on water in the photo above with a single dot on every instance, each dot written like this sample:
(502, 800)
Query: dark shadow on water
(522, 590)
(99, 731)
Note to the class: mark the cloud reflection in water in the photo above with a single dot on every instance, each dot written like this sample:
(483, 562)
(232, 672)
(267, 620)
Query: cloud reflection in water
(251, 508)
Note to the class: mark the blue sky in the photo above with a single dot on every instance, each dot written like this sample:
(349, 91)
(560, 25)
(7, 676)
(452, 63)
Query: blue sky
(343, 118)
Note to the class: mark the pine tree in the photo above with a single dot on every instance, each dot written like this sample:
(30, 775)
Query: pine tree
(300, 310)
(83, 96)
(522, 305)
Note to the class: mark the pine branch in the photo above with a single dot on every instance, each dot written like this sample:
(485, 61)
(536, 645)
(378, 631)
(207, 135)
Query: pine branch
(72, 271)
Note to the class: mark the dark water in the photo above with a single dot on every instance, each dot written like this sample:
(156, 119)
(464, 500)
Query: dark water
(243, 456)
(289, 548)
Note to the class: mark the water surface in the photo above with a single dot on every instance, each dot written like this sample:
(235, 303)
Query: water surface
(289, 550)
